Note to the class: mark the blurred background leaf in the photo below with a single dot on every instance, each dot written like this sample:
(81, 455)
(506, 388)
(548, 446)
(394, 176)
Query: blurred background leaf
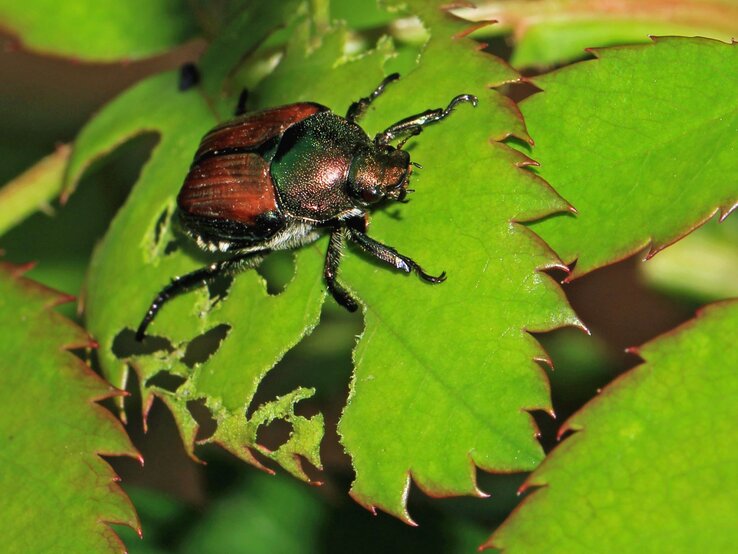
(92, 31)
(551, 32)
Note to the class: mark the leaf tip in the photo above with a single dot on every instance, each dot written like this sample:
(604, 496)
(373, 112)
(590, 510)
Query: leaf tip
(471, 28)
(527, 162)
(19, 270)
(579, 324)
(725, 211)
(635, 350)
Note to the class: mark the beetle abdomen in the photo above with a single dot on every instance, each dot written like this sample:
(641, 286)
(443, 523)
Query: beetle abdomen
(230, 198)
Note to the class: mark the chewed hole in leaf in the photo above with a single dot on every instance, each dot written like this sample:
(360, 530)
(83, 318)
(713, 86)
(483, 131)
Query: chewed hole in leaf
(274, 434)
(161, 224)
(167, 235)
(203, 346)
(204, 418)
(277, 269)
(166, 380)
(125, 345)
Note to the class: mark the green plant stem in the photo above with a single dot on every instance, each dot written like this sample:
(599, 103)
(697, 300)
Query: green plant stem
(33, 189)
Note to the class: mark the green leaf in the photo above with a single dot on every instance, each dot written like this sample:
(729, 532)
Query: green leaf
(58, 494)
(627, 140)
(33, 189)
(445, 374)
(432, 397)
(651, 464)
(548, 32)
(93, 31)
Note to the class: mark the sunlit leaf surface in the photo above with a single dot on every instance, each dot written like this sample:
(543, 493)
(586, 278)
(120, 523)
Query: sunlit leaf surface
(641, 155)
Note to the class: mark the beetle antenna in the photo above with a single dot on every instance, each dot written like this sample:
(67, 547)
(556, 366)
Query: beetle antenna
(416, 164)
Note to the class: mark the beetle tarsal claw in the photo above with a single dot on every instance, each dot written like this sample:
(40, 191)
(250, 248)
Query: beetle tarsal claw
(462, 98)
(433, 279)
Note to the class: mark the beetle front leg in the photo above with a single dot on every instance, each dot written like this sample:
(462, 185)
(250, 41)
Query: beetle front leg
(358, 108)
(197, 278)
(414, 124)
(330, 270)
(387, 254)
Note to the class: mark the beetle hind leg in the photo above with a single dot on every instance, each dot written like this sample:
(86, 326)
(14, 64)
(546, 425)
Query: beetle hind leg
(185, 283)
(330, 271)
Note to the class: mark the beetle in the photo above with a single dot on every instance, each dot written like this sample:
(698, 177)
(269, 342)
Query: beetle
(275, 179)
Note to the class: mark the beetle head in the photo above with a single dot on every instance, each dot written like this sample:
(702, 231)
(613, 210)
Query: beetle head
(378, 173)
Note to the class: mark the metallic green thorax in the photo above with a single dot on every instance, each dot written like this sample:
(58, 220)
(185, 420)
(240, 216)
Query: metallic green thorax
(311, 166)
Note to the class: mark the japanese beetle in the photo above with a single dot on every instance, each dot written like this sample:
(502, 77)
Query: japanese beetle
(275, 179)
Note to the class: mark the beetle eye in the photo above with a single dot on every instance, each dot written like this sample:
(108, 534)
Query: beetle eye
(371, 194)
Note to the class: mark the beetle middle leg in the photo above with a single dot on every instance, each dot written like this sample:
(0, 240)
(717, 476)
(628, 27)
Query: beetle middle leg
(330, 270)
(414, 124)
(358, 108)
(199, 277)
(387, 254)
